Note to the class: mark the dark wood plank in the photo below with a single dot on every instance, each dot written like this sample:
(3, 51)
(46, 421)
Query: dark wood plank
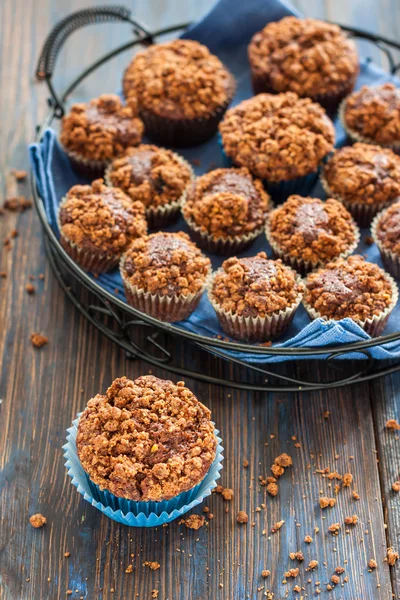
(43, 390)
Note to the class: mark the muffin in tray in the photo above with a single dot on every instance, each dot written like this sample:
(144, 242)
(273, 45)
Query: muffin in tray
(351, 288)
(182, 90)
(97, 223)
(385, 230)
(157, 177)
(225, 210)
(306, 56)
(365, 178)
(282, 139)
(372, 115)
(307, 232)
(255, 298)
(95, 133)
(165, 275)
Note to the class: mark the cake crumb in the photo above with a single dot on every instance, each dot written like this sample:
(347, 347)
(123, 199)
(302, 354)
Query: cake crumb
(292, 573)
(265, 573)
(283, 460)
(20, 174)
(392, 424)
(297, 589)
(334, 528)
(296, 556)
(277, 526)
(272, 489)
(154, 593)
(372, 563)
(313, 564)
(193, 521)
(67, 554)
(340, 570)
(30, 288)
(368, 240)
(351, 520)
(37, 520)
(38, 340)
(308, 539)
(396, 486)
(392, 557)
(17, 204)
(227, 493)
(153, 565)
(326, 502)
(129, 569)
(355, 495)
(245, 464)
(347, 479)
(242, 517)
(335, 579)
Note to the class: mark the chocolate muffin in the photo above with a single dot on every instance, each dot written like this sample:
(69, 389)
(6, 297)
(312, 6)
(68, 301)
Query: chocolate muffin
(385, 230)
(306, 56)
(97, 223)
(281, 139)
(182, 90)
(157, 177)
(165, 275)
(225, 210)
(94, 134)
(255, 298)
(146, 440)
(365, 178)
(351, 288)
(307, 233)
(372, 115)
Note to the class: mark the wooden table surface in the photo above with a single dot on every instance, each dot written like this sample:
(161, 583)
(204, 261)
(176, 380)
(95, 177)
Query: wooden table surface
(42, 390)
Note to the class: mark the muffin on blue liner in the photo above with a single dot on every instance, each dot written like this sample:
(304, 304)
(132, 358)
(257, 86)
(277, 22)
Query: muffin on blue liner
(175, 473)
(282, 139)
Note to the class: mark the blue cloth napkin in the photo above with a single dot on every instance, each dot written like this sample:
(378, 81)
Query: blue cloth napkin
(226, 30)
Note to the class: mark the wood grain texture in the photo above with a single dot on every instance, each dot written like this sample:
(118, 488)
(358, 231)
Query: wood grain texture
(42, 390)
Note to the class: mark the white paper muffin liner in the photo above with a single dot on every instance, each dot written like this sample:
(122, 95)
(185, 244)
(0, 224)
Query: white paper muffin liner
(130, 512)
(389, 258)
(160, 216)
(162, 307)
(254, 329)
(362, 213)
(305, 266)
(373, 326)
(357, 137)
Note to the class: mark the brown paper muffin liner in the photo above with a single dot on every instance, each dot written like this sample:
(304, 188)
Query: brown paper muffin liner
(224, 246)
(330, 102)
(305, 266)
(162, 307)
(389, 258)
(160, 216)
(356, 137)
(94, 261)
(373, 326)
(92, 169)
(254, 329)
(362, 213)
(184, 133)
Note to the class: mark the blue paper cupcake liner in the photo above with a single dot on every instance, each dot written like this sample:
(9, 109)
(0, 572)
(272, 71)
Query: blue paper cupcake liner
(129, 512)
(281, 190)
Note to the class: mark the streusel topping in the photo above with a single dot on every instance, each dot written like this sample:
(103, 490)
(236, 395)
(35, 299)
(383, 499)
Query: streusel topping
(146, 440)
(278, 137)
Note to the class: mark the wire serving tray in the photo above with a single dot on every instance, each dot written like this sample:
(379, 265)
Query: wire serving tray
(159, 343)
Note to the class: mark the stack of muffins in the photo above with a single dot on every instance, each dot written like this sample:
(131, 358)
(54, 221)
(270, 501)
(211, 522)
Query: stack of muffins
(277, 145)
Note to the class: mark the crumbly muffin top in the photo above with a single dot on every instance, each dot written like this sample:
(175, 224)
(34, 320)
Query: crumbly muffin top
(146, 440)
(179, 80)
(374, 113)
(305, 56)
(364, 173)
(101, 218)
(312, 230)
(278, 137)
(350, 287)
(101, 129)
(153, 175)
(227, 203)
(255, 286)
(166, 264)
(388, 228)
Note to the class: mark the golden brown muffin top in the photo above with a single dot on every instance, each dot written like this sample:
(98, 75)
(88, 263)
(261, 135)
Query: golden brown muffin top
(146, 440)
(278, 137)
(306, 56)
(101, 129)
(350, 287)
(166, 264)
(227, 203)
(312, 230)
(364, 174)
(179, 80)
(97, 217)
(374, 113)
(153, 175)
(255, 286)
